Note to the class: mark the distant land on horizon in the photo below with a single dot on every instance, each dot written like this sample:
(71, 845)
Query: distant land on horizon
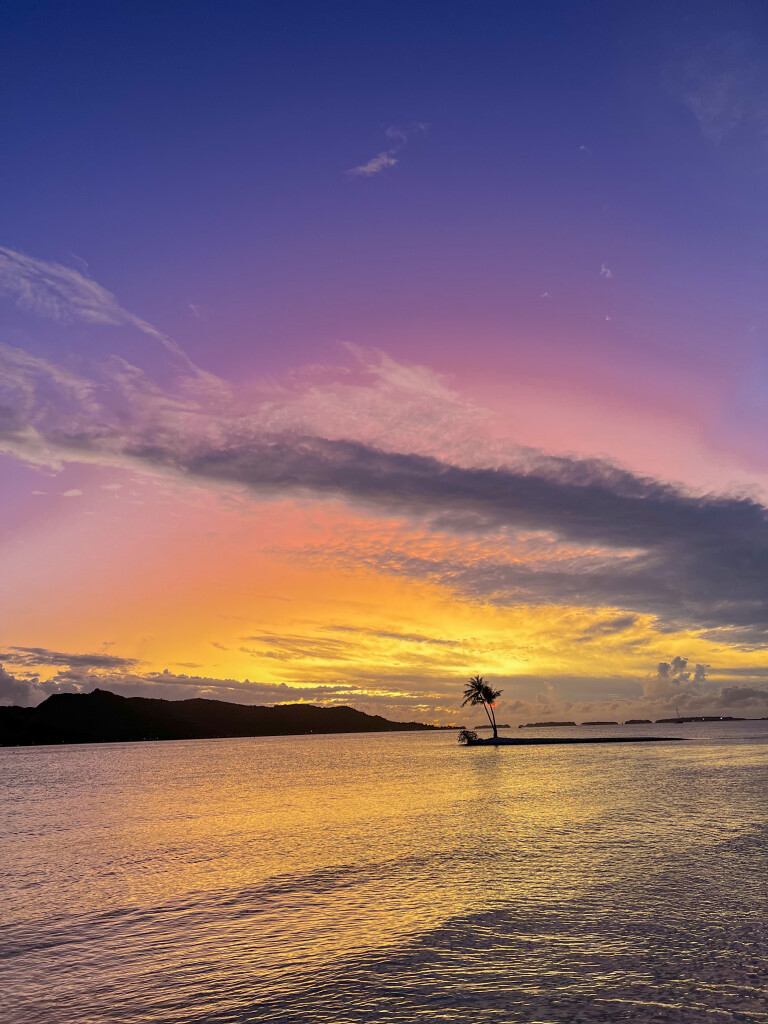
(643, 721)
(104, 717)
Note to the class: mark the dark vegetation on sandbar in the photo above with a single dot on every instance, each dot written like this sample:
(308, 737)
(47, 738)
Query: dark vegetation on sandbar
(104, 717)
(471, 739)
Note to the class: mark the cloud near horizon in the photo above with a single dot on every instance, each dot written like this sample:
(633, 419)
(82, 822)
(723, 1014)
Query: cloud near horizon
(524, 698)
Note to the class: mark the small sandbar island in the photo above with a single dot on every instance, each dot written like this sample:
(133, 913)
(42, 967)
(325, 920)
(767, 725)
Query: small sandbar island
(470, 739)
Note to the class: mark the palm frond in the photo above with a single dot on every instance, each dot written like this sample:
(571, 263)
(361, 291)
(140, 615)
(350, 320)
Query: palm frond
(490, 695)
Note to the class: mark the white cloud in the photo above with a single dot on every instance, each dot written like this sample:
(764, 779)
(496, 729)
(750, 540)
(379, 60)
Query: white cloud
(674, 679)
(387, 157)
(375, 165)
(605, 271)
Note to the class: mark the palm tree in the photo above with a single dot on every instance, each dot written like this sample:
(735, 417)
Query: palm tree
(477, 691)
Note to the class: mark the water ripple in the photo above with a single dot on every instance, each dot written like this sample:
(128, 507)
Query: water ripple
(341, 880)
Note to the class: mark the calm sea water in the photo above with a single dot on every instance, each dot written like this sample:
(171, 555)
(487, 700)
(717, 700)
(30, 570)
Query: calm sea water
(395, 878)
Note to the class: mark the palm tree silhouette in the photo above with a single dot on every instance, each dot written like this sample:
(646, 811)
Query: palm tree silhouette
(477, 691)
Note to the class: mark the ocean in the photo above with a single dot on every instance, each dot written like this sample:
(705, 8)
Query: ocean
(389, 878)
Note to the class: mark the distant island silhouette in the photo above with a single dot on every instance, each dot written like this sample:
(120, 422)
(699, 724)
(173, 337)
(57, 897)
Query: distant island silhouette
(701, 718)
(105, 717)
(638, 721)
(543, 725)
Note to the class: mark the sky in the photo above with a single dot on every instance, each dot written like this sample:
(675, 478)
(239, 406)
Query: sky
(349, 350)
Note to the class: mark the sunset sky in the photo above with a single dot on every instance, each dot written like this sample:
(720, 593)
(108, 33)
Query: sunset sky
(348, 350)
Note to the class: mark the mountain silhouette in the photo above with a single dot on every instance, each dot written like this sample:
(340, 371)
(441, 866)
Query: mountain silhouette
(104, 717)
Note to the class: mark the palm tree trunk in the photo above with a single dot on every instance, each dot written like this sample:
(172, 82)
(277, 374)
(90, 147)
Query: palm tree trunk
(490, 720)
(493, 723)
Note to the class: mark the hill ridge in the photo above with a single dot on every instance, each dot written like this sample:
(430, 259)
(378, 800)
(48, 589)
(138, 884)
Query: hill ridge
(101, 716)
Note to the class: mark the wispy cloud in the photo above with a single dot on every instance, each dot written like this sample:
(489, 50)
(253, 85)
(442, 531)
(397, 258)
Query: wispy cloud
(40, 656)
(392, 440)
(725, 86)
(60, 293)
(388, 157)
(384, 634)
(607, 627)
(376, 164)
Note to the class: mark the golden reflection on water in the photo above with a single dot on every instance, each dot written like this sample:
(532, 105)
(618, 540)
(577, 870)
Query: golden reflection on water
(242, 868)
